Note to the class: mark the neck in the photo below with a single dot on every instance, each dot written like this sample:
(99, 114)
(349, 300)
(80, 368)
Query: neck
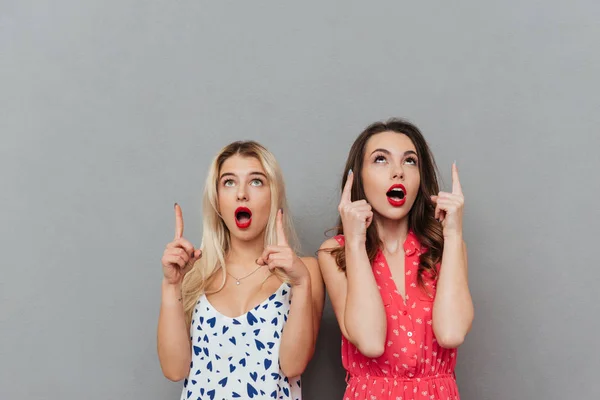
(392, 233)
(245, 252)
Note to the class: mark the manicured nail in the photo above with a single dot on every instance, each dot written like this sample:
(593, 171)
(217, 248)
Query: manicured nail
(174, 205)
(281, 209)
(349, 171)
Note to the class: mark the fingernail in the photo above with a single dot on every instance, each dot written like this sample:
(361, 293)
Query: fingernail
(281, 211)
(256, 261)
(349, 171)
(454, 162)
(174, 205)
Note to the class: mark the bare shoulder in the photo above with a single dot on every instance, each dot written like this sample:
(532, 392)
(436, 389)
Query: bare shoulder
(311, 263)
(327, 247)
(329, 244)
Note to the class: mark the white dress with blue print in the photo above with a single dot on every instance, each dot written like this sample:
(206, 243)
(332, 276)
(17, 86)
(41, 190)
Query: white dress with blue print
(238, 358)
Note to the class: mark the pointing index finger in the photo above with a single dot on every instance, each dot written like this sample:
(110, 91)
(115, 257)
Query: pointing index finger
(178, 222)
(347, 192)
(281, 239)
(456, 188)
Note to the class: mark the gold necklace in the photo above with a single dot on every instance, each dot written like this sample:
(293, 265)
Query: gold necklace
(238, 280)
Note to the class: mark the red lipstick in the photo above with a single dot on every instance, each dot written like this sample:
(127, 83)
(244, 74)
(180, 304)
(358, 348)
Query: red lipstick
(396, 195)
(243, 217)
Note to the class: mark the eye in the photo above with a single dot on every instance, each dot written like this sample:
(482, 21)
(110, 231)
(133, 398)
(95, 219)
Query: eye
(411, 161)
(228, 183)
(256, 182)
(380, 159)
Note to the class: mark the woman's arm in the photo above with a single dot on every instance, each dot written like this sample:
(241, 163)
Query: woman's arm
(355, 298)
(302, 327)
(174, 348)
(453, 307)
(173, 342)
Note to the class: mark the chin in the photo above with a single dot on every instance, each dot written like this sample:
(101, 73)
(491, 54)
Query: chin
(246, 234)
(243, 234)
(395, 216)
(394, 213)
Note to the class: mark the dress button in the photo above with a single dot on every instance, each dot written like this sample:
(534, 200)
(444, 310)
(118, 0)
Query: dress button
(409, 334)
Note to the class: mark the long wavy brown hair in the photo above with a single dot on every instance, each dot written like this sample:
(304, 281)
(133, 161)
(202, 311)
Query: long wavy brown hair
(421, 218)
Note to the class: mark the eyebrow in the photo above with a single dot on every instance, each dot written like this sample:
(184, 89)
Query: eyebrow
(234, 175)
(407, 152)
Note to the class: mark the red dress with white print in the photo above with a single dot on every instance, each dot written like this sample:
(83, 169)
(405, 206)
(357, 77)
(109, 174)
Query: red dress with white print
(413, 365)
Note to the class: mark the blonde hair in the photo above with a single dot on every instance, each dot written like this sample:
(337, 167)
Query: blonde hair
(216, 240)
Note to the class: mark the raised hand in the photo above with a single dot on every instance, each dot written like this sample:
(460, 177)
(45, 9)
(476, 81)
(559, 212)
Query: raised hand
(356, 215)
(283, 257)
(449, 207)
(180, 255)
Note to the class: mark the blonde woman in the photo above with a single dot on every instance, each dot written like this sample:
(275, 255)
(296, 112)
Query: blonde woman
(225, 305)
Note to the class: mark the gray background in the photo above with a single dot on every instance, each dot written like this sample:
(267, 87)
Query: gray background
(111, 110)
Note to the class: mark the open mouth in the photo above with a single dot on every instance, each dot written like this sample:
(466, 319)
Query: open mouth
(243, 217)
(396, 195)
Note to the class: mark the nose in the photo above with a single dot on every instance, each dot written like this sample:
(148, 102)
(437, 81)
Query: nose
(398, 172)
(241, 194)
